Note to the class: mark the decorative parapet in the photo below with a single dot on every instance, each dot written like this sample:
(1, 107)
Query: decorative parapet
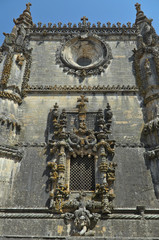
(98, 28)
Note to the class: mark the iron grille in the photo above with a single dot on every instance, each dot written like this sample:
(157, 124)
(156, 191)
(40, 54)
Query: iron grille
(82, 173)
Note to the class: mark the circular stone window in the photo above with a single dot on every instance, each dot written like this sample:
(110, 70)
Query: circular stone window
(86, 54)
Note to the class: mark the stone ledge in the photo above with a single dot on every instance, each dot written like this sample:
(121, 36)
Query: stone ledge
(45, 213)
(11, 237)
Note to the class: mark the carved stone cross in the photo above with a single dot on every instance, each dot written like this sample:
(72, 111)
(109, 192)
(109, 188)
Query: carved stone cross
(28, 6)
(84, 19)
(138, 7)
(82, 99)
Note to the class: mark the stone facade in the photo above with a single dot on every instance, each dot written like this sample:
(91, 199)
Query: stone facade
(79, 121)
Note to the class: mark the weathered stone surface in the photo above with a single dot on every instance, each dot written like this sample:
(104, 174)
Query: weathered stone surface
(45, 71)
(45, 122)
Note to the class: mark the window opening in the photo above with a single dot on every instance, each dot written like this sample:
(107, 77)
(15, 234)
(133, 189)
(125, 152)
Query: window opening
(82, 173)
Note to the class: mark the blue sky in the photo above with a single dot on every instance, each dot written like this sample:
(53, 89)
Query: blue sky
(72, 10)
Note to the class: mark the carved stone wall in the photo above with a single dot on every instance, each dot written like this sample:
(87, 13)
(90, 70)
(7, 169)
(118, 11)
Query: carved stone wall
(85, 95)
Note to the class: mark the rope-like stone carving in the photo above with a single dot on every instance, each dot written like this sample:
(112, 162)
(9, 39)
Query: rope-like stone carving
(10, 96)
(6, 69)
(26, 74)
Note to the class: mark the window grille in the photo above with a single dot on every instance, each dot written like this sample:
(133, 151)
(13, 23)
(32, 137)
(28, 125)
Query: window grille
(82, 173)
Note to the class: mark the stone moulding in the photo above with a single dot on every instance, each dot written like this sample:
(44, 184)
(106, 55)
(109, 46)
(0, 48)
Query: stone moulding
(10, 96)
(118, 213)
(10, 152)
(98, 88)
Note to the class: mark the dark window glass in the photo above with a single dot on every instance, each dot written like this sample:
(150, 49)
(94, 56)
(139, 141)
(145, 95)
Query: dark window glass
(83, 61)
(82, 173)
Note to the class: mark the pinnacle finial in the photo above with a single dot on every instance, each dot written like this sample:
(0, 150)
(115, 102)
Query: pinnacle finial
(25, 18)
(138, 7)
(28, 6)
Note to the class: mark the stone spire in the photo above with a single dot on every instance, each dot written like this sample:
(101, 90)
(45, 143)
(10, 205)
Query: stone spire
(25, 18)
